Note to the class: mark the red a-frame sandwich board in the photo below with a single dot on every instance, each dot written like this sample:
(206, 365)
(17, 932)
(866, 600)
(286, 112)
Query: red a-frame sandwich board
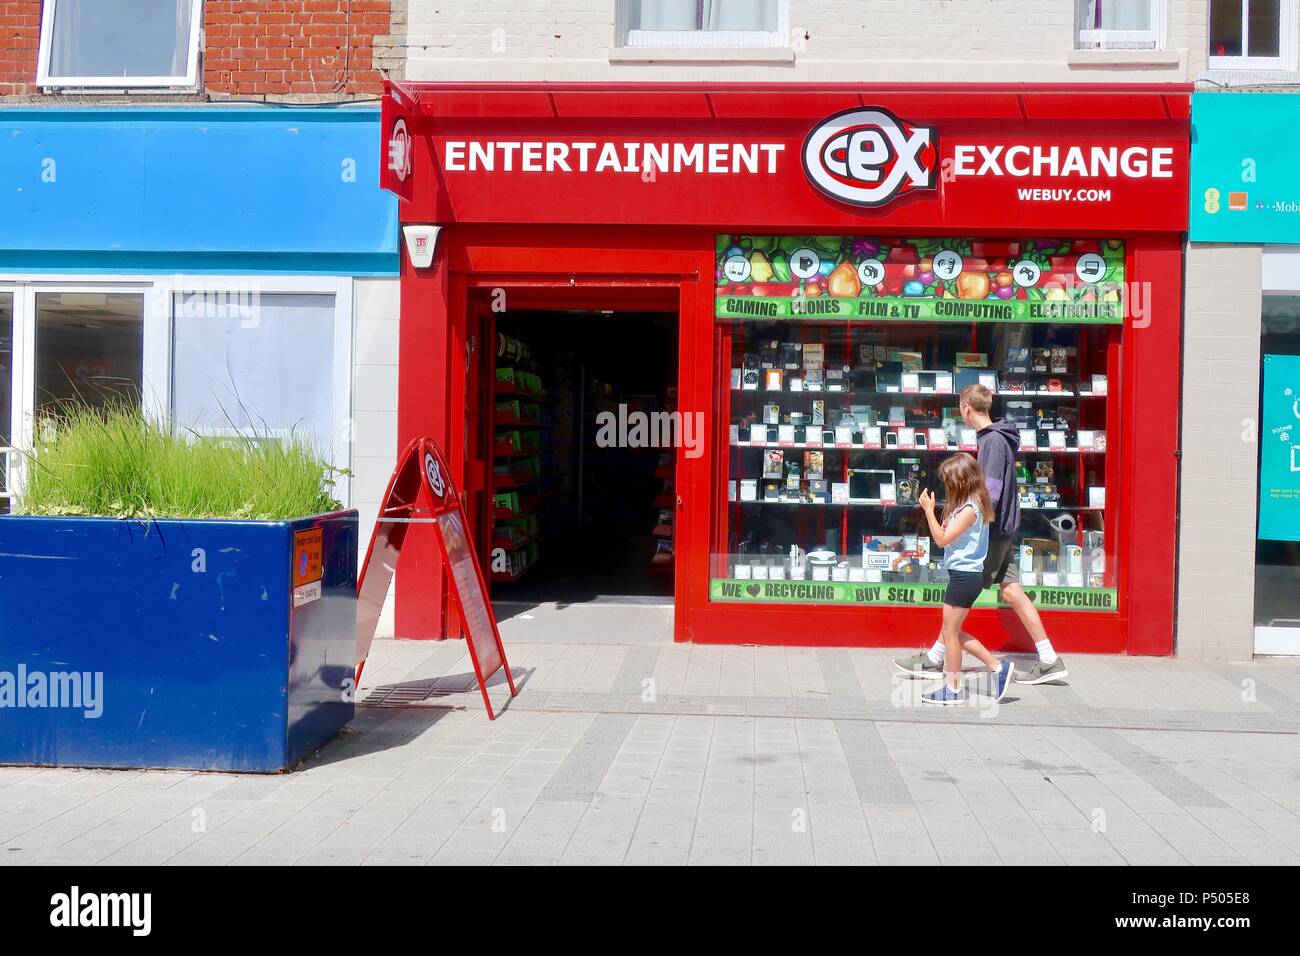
(421, 493)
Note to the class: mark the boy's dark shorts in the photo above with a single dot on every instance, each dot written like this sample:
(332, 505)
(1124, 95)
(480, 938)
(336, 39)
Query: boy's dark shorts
(999, 568)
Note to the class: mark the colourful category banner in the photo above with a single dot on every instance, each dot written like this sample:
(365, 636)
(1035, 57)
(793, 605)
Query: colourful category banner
(895, 595)
(1279, 453)
(920, 280)
(1244, 187)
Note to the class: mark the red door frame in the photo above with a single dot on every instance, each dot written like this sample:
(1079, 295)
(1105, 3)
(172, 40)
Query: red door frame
(586, 268)
(480, 364)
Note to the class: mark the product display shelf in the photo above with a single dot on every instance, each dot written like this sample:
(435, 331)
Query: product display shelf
(899, 449)
(519, 443)
(506, 514)
(506, 451)
(1080, 395)
(513, 545)
(507, 421)
(506, 390)
(661, 562)
(906, 506)
(851, 392)
(514, 481)
(509, 577)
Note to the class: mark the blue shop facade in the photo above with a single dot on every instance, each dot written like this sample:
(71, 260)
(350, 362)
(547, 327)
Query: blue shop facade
(228, 267)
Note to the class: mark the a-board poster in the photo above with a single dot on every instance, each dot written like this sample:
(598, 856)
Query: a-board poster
(421, 494)
(477, 617)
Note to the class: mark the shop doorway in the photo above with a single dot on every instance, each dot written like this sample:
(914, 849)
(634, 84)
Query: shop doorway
(581, 470)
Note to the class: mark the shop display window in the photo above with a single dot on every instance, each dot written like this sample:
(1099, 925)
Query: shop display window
(89, 349)
(256, 365)
(840, 365)
(1277, 548)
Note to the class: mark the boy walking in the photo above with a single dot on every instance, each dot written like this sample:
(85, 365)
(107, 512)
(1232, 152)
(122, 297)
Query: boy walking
(998, 443)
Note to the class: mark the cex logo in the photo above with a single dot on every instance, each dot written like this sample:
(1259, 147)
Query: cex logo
(399, 151)
(868, 157)
(434, 475)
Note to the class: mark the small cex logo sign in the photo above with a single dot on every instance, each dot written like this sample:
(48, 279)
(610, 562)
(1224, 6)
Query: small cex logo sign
(399, 151)
(868, 157)
(433, 474)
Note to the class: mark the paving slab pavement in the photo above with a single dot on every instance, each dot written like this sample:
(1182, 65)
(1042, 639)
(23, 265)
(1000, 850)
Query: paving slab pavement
(646, 752)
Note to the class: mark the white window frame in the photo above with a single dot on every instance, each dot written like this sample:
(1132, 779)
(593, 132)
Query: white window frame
(25, 289)
(703, 39)
(9, 459)
(1110, 39)
(1286, 46)
(189, 81)
(159, 293)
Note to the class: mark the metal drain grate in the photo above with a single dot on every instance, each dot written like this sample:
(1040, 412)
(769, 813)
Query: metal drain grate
(403, 695)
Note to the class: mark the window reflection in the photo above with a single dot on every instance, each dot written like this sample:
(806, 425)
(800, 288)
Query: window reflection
(89, 348)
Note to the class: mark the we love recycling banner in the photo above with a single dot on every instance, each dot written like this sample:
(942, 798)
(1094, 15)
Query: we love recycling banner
(920, 280)
(895, 595)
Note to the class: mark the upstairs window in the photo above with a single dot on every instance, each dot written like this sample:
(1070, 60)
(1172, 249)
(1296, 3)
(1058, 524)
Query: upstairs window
(1120, 24)
(704, 23)
(1252, 35)
(120, 44)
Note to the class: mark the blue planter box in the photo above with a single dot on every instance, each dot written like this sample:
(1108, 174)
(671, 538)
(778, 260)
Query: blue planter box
(174, 643)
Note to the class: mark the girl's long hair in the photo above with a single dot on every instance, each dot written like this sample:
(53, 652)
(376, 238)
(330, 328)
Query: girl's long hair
(963, 481)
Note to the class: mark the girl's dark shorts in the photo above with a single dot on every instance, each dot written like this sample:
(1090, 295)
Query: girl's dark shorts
(963, 588)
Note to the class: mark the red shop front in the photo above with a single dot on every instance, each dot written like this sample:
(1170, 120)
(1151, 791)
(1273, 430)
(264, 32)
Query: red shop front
(833, 264)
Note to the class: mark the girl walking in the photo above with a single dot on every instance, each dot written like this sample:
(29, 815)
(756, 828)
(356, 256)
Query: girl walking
(963, 532)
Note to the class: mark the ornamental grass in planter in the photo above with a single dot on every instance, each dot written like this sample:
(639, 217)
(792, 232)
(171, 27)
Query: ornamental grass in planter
(113, 462)
(172, 599)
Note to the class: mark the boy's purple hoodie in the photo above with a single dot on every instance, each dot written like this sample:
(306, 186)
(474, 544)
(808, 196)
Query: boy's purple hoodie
(998, 444)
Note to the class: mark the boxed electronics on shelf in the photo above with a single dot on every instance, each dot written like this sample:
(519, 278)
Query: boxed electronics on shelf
(837, 424)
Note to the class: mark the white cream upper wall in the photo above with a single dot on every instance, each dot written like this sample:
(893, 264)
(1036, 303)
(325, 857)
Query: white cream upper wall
(895, 41)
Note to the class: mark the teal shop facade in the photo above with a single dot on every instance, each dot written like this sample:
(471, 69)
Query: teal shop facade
(1239, 560)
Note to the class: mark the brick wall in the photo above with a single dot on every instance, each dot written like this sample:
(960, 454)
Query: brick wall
(297, 50)
(1216, 547)
(20, 36)
(303, 49)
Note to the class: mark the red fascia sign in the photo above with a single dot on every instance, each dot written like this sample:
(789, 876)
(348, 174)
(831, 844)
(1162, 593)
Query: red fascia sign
(978, 159)
(420, 492)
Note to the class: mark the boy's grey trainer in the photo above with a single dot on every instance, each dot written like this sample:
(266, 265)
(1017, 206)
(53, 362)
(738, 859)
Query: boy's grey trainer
(1042, 673)
(918, 665)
